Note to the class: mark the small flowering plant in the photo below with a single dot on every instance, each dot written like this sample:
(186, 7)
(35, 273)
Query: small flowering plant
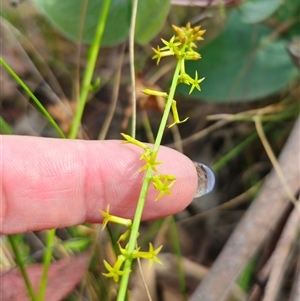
(181, 46)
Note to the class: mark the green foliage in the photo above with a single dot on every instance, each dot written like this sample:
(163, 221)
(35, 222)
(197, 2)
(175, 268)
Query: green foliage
(67, 16)
(181, 46)
(253, 11)
(247, 275)
(5, 128)
(32, 96)
(243, 64)
(151, 17)
(19, 260)
(77, 244)
(289, 14)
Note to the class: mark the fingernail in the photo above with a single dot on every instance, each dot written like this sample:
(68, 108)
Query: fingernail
(206, 179)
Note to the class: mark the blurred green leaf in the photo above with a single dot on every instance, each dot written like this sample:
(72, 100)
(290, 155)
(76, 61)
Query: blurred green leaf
(67, 16)
(78, 244)
(242, 64)
(254, 11)
(151, 17)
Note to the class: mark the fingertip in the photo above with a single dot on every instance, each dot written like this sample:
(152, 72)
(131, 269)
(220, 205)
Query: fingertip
(122, 181)
(62, 183)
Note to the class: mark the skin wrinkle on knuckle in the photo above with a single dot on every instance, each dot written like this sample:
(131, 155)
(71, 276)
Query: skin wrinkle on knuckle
(4, 203)
(63, 188)
(125, 177)
(4, 207)
(94, 177)
(28, 227)
(75, 166)
(78, 167)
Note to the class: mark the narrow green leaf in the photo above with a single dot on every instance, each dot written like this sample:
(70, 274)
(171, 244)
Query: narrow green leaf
(78, 244)
(5, 128)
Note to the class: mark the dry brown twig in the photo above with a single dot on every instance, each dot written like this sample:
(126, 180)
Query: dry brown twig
(258, 222)
(280, 258)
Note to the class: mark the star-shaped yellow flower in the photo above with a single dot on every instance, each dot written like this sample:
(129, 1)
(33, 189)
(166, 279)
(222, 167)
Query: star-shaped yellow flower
(114, 219)
(150, 158)
(195, 83)
(151, 255)
(115, 272)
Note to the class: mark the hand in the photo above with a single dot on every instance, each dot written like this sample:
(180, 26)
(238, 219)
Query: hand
(53, 183)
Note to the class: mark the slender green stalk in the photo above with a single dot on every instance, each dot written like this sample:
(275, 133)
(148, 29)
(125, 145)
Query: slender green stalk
(21, 265)
(152, 232)
(145, 186)
(46, 263)
(89, 71)
(113, 240)
(5, 128)
(247, 275)
(132, 69)
(164, 119)
(235, 151)
(177, 251)
(32, 96)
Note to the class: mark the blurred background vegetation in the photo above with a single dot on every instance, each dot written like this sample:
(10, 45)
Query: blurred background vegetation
(250, 61)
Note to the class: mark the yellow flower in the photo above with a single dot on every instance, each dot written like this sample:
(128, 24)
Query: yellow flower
(115, 272)
(195, 83)
(163, 184)
(150, 158)
(151, 255)
(114, 219)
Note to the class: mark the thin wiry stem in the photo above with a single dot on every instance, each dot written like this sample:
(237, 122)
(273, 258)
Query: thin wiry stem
(142, 198)
(89, 71)
(114, 99)
(274, 161)
(132, 69)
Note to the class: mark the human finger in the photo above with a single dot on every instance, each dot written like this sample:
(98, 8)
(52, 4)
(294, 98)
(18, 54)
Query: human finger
(52, 183)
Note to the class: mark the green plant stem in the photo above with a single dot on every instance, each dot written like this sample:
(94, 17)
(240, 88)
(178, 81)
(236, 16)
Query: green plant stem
(177, 251)
(164, 119)
(141, 202)
(247, 275)
(89, 71)
(152, 231)
(235, 151)
(32, 96)
(46, 263)
(21, 265)
(5, 128)
(113, 241)
(132, 69)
